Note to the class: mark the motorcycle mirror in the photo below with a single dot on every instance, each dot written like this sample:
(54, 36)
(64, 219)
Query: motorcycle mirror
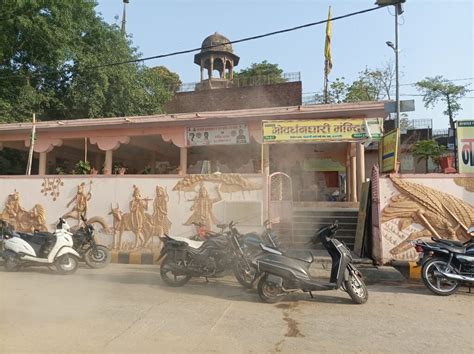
(83, 218)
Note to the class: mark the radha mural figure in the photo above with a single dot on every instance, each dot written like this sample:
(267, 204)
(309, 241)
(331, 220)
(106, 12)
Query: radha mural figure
(203, 208)
(138, 207)
(161, 222)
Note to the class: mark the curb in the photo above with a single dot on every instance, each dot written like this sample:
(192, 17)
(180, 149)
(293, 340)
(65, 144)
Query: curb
(410, 270)
(134, 257)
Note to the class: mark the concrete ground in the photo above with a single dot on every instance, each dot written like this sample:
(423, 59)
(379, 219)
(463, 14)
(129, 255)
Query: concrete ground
(126, 308)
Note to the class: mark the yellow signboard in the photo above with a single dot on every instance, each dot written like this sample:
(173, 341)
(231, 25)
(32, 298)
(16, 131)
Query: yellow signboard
(465, 134)
(351, 129)
(389, 150)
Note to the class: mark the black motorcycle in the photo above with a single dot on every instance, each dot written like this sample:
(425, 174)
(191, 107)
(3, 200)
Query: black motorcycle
(250, 245)
(212, 258)
(283, 273)
(446, 264)
(96, 256)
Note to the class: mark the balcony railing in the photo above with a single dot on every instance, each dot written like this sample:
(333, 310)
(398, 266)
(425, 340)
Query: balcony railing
(260, 80)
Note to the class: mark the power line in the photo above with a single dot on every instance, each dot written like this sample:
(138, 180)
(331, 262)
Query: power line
(246, 39)
(463, 79)
(419, 95)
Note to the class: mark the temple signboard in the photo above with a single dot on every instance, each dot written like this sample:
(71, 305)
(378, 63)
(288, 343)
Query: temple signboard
(465, 135)
(217, 135)
(324, 130)
(389, 151)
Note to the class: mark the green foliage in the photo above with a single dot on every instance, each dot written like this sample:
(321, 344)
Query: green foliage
(371, 85)
(82, 168)
(435, 89)
(12, 161)
(426, 149)
(263, 72)
(50, 52)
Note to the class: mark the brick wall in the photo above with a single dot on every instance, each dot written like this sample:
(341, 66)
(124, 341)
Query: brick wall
(276, 95)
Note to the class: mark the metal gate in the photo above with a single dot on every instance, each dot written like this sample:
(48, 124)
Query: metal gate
(280, 204)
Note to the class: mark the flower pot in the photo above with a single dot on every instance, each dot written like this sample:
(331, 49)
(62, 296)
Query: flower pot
(447, 163)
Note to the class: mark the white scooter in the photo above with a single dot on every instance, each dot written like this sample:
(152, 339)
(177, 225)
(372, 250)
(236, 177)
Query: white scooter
(21, 249)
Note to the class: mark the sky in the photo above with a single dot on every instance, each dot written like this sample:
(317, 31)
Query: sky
(436, 38)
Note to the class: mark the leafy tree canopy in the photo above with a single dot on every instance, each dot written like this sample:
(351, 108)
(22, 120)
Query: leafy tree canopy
(370, 85)
(259, 72)
(50, 53)
(435, 89)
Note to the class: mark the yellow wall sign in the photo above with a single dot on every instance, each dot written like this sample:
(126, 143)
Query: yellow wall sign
(281, 131)
(465, 134)
(389, 150)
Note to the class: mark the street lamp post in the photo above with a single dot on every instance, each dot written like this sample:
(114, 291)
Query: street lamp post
(397, 4)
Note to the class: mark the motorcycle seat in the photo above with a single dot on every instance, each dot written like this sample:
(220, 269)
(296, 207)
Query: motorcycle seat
(191, 243)
(448, 242)
(37, 238)
(305, 256)
(452, 246)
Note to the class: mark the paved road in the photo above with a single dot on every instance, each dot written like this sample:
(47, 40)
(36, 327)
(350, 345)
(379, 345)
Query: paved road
(126, 308)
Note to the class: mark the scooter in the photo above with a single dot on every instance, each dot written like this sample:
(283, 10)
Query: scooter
(22, 249)
(446, 264)
(283, 274)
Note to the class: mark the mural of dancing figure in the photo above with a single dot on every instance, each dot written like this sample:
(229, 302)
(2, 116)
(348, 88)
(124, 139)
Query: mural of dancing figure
(203, 208)
(80, 207)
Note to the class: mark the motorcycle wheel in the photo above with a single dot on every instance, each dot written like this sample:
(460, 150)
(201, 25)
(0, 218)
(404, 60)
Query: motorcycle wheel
(438, 285)
(167, 275)
(98, 259)
(244, 277)
(267, 292)
(12, 265)
(66, 264)
(356, 289)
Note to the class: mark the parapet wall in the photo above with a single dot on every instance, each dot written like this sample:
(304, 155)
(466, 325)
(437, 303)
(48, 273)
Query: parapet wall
(274, 95)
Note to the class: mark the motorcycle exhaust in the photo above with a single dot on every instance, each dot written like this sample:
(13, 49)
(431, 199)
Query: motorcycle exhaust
(457, 277)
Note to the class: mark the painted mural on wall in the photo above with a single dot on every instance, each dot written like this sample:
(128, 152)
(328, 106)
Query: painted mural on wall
(202, 208)
(22, 219)
(422, 208)
(129, 213)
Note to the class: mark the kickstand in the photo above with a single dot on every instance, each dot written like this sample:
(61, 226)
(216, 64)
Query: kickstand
(311, 294)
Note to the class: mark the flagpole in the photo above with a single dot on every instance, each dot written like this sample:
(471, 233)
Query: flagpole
(326, 81)
(32, 145)
(327, 56)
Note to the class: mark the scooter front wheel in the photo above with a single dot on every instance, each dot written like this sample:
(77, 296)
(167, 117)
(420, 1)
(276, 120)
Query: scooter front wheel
(356, 288)
(268, 291)
(66, 264)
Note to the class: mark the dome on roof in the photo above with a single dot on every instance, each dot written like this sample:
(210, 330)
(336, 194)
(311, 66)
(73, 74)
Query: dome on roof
(216, 39)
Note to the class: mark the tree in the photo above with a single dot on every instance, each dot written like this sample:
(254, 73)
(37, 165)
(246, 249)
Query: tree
(435, 89)
(371, 85)
(51, 63)
(426, 149)
(260, 73)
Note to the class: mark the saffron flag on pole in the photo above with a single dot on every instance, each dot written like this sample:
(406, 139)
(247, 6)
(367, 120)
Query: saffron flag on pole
(327, 46)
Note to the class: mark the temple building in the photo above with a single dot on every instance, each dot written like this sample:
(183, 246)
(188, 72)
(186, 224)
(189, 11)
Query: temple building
(254, 138)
